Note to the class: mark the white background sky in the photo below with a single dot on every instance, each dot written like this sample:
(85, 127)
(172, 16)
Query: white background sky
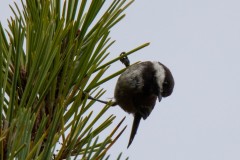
(200, 42)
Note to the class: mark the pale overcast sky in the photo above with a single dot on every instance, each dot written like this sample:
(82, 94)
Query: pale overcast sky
(200, 42)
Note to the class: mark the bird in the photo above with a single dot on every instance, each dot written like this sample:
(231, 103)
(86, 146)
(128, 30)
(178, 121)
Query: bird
(138, 88)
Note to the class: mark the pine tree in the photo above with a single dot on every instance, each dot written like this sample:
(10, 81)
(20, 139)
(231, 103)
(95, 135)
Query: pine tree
(51, 63)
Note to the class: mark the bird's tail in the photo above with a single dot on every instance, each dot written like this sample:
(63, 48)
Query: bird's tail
(136, 122)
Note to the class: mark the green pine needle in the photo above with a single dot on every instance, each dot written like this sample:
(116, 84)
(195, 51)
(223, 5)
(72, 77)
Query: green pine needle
(52, 59)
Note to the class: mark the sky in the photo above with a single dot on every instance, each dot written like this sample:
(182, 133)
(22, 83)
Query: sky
(199, 41)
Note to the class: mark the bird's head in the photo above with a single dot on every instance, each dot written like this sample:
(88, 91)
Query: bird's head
(164, 80)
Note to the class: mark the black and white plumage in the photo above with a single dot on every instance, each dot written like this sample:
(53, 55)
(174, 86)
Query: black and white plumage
(138, 88)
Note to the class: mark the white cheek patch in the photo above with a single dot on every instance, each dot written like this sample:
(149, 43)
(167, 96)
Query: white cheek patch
(160, 74)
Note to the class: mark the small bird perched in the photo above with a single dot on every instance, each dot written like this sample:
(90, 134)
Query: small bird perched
(138, 88)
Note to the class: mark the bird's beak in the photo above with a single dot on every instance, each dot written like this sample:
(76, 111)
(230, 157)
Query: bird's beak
(159, 97)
